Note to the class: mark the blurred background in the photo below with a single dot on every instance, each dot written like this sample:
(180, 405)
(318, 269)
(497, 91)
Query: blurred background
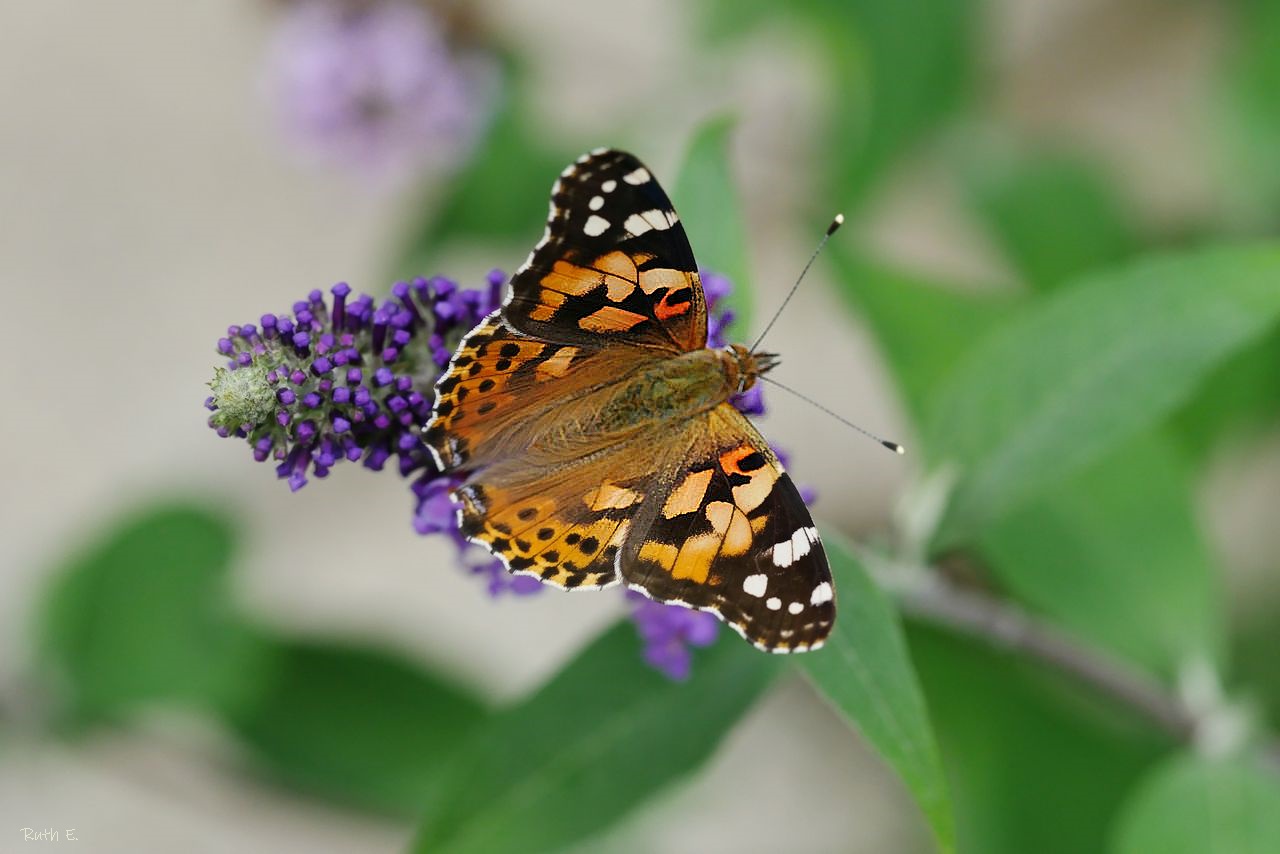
(168, 169)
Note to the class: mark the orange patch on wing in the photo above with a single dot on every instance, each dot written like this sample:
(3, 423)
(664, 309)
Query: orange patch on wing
(609, 496)
(663, 554)
(664, 277)
(571, 279)
(665, 309)
(750, 495)
(619, 274)
(687, 497)
(732, 525)
(610, 318)
(695, 558)
(557, 366)
(548, 302)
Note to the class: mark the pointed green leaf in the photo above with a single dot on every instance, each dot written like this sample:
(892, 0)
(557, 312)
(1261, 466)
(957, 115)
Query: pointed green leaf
(1115, 555)
(706, 197)
(143, 614)
(865, 672)
(1089, 368)
(1034, 766)
(588, 748)
(1054, 215)
(354, 724)
(1192, 805)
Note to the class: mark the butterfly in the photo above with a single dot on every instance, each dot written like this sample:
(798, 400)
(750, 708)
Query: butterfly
(593, 430)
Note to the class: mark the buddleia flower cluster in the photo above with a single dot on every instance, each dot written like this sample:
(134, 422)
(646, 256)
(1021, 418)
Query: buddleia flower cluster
(347, 378)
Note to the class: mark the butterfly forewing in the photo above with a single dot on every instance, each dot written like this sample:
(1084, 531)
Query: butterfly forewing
(614, 266)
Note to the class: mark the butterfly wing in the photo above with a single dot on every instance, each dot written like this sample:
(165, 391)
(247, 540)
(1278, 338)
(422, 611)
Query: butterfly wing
(503, 390)
(614, 266)
(732, 536)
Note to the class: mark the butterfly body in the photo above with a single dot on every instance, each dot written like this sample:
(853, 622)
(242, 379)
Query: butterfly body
(593, 427)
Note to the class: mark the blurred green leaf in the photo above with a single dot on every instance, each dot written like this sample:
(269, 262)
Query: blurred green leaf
(355, 724)
(1032, 764)
(706, 196)
(1114, 554)
(1241, 397)
(897, 70)
(1255, 667)
(143, 614)
(900, 68)
(923, 328)
(1053, 214)
(605, 734)
(500, 194)
(1089, 368)
(1192, 805)
(1249, 114)
(865, 672)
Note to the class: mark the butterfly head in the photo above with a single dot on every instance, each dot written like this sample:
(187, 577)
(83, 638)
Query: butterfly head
(748, 366)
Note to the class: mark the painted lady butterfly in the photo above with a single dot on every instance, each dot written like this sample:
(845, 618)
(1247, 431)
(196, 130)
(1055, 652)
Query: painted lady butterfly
(595, 432)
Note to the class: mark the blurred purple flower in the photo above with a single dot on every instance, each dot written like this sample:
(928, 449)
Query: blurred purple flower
(668, 632)
(373, 88)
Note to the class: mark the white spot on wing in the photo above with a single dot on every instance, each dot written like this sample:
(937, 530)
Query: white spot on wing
(637, 225)
(773, 603)
(821, 594)
(609, 186)
(785, 554)
(596, 226)
(755, 585)
(795, 607)
(638, 177)
(596, 203)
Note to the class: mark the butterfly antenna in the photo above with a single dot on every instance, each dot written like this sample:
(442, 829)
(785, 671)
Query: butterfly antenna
(831, 229)
(893, 446)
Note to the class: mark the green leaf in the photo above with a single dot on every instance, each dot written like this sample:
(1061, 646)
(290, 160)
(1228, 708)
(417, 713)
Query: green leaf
(922, 327)
(1115, 555)
(1242, 397)
(1089, 368)
(1192, 805)
(355, 724)
(706, 196)
(1053, 214)
(605, 734)
(501, 194)
(1249, 115)
(142, 614)
(865, 672)
(1032, 764)
(898, 69)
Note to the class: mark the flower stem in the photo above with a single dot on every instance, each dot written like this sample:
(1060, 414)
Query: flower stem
(927, 595)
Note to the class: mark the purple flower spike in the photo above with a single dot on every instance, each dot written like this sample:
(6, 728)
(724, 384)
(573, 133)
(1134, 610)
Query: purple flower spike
(321, 417)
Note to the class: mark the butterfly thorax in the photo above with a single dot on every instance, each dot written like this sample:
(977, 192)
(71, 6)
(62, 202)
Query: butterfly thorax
(678, 388)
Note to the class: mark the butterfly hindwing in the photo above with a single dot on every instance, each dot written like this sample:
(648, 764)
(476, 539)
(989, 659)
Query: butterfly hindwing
(563, 523)
(733, 536)
(614, 266)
